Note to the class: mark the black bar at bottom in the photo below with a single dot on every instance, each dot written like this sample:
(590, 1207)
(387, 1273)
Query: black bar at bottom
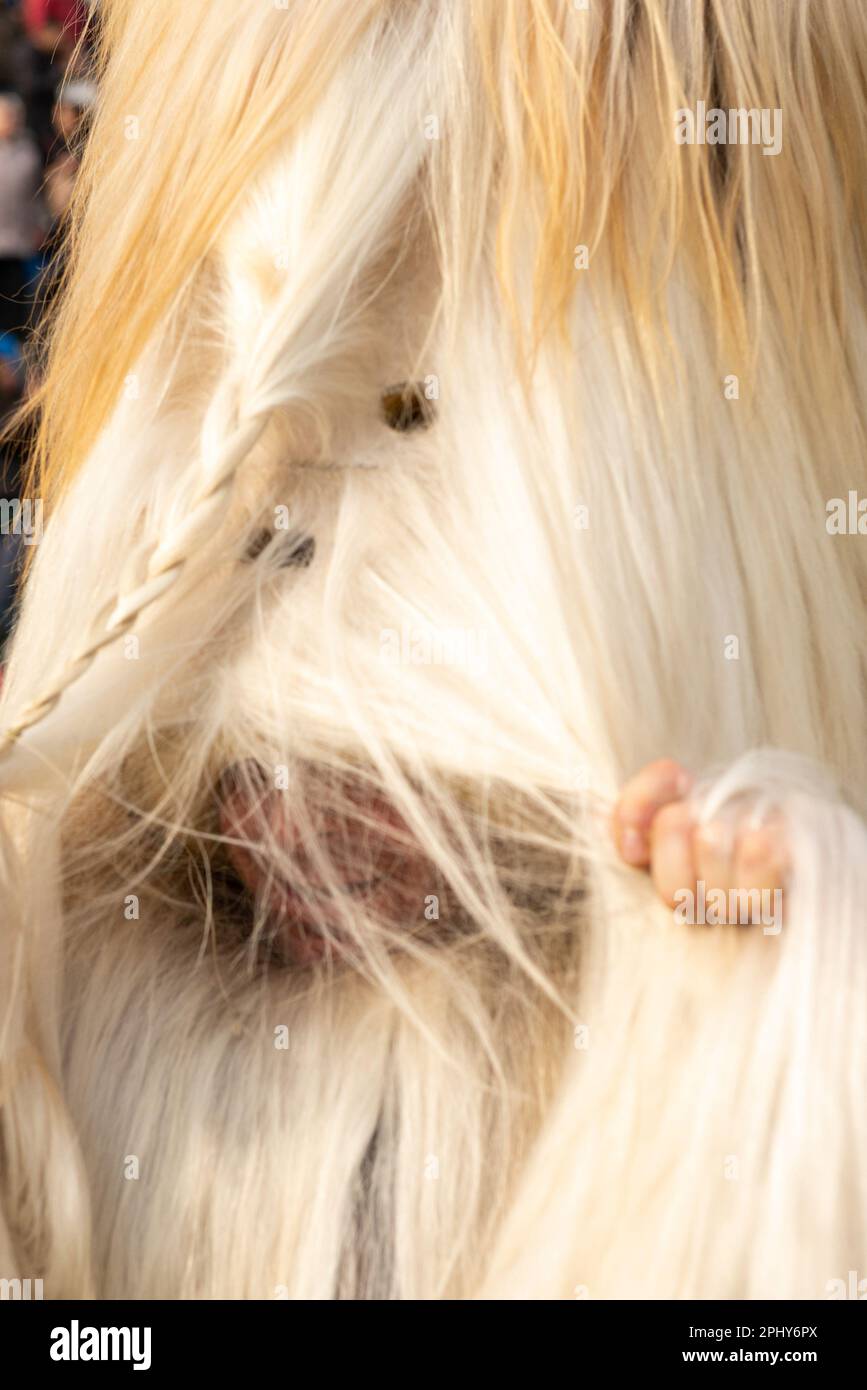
(159, 1339)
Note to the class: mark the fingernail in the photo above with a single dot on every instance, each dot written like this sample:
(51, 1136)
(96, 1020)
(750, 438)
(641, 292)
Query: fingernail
(633, 845)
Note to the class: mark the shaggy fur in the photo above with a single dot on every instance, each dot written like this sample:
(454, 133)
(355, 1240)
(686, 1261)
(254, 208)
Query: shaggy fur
(533, 1083)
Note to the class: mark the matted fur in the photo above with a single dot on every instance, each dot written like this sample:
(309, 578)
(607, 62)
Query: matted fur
(322, 200)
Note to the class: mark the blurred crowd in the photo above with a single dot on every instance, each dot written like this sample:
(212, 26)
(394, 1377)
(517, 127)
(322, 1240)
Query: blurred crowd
(46, 92)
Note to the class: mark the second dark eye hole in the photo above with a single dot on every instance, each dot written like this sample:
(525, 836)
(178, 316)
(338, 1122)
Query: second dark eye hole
(405, 407)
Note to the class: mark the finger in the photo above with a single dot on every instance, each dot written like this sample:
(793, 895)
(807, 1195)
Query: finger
(643, 797)
(672, 865)
(714, 846)
(761, 860)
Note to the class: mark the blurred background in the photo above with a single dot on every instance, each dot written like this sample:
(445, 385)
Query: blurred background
(46, 92)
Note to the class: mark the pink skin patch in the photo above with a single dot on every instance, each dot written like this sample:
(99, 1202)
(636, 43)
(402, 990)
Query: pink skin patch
(375, 864)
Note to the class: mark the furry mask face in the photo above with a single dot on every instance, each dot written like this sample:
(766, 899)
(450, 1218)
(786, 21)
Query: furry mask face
(351, 852)
(231, 763)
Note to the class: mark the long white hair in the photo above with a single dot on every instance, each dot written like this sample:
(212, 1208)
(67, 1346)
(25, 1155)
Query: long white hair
(637, 373)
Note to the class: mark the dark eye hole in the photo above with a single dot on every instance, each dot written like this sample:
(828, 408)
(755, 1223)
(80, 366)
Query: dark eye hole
(405, 407)
(298, 553)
